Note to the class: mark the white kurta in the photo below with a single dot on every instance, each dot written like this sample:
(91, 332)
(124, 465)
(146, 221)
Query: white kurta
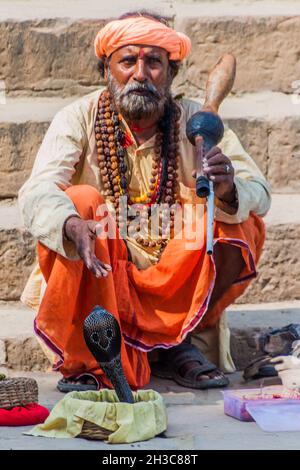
(68, 156)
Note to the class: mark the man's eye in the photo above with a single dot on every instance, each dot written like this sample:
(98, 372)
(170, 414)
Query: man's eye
(128, 62)
(154, 60)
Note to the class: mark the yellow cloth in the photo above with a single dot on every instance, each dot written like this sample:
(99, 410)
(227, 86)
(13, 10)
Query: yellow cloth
(141, 31)
(128, 423)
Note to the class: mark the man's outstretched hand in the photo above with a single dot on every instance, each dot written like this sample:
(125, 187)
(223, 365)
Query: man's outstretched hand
(83, 234)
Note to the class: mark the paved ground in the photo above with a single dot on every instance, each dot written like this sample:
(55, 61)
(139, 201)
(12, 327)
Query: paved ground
(196, 422)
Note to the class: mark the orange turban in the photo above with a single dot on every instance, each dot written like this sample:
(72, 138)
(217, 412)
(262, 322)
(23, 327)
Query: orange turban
(141, 30)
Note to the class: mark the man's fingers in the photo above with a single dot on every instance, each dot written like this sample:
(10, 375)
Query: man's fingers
(217, 159)
(85, 248)
(96, 269)
(86, 255)
(213, 151)
(220, 178)
(101, 268)
(107, 266)
(213, 172)
(94, 265)
(216, 170)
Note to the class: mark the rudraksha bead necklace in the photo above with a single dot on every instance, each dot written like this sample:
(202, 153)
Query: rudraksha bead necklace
(163, 183)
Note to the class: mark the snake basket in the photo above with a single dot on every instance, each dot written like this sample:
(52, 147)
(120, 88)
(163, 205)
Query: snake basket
(93, 432)
(18, 391)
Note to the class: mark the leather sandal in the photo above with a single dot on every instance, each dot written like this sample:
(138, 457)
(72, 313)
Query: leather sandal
(67, 385)
(173, 359)
(260, 368)
(279, 341)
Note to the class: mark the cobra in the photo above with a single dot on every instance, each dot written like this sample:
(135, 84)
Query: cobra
(103, 338)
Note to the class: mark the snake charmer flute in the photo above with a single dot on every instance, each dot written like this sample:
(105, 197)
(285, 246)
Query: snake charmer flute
(205, 129)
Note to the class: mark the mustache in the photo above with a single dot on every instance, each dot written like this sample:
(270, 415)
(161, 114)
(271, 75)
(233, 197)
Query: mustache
(141, 87)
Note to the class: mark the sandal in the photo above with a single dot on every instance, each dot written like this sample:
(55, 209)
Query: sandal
(174, 358)
(260, 368)
(278, 342)
(67, 385)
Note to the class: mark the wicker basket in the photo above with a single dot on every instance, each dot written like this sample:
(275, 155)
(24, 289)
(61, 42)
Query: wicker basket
(18, 391)
(93, 432)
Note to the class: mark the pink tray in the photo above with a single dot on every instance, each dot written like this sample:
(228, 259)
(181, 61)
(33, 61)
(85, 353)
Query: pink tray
(235, 401)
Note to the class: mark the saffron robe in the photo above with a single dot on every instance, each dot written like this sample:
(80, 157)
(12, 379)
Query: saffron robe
(68, 158)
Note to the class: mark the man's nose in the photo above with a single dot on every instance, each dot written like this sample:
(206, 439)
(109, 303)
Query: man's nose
(140, 71)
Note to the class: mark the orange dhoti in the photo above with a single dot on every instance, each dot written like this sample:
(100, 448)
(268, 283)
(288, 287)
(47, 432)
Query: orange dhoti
(155, 307)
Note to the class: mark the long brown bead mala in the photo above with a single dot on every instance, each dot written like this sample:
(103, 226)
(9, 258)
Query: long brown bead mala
(163, 183)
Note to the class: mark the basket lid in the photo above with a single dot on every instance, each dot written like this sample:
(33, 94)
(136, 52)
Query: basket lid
(17, 391)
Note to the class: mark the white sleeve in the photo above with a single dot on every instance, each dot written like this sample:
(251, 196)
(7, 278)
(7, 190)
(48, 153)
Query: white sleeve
(254, 192)
(43, 203)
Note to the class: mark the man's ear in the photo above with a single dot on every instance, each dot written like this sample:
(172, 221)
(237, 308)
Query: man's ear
(106, 67)
(105, 72)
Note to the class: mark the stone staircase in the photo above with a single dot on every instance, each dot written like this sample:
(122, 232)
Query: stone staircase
(47, 61)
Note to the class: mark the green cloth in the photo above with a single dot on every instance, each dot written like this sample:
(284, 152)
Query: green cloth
(139, 421)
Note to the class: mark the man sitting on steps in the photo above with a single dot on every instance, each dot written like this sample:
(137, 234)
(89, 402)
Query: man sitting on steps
(128, 142)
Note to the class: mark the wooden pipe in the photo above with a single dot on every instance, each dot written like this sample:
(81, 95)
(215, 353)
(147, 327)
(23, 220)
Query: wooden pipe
(219, 83)
(205, 129)
(206, 124)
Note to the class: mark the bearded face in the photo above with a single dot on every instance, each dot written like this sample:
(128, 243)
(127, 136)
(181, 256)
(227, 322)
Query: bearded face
(138, 100)
(139, 85)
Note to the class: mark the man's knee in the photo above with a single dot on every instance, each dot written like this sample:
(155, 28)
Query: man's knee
(228, 255)
(83, 191)
(86, 199)
(229, 263)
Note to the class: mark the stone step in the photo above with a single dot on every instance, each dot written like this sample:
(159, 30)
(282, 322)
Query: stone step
(24, 10)
(268, 125)
(263, 35)
(17, 253)
(278, 269)
(19, 348)
(23, 123)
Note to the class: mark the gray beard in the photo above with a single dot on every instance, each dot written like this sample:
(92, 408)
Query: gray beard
(134, 107)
